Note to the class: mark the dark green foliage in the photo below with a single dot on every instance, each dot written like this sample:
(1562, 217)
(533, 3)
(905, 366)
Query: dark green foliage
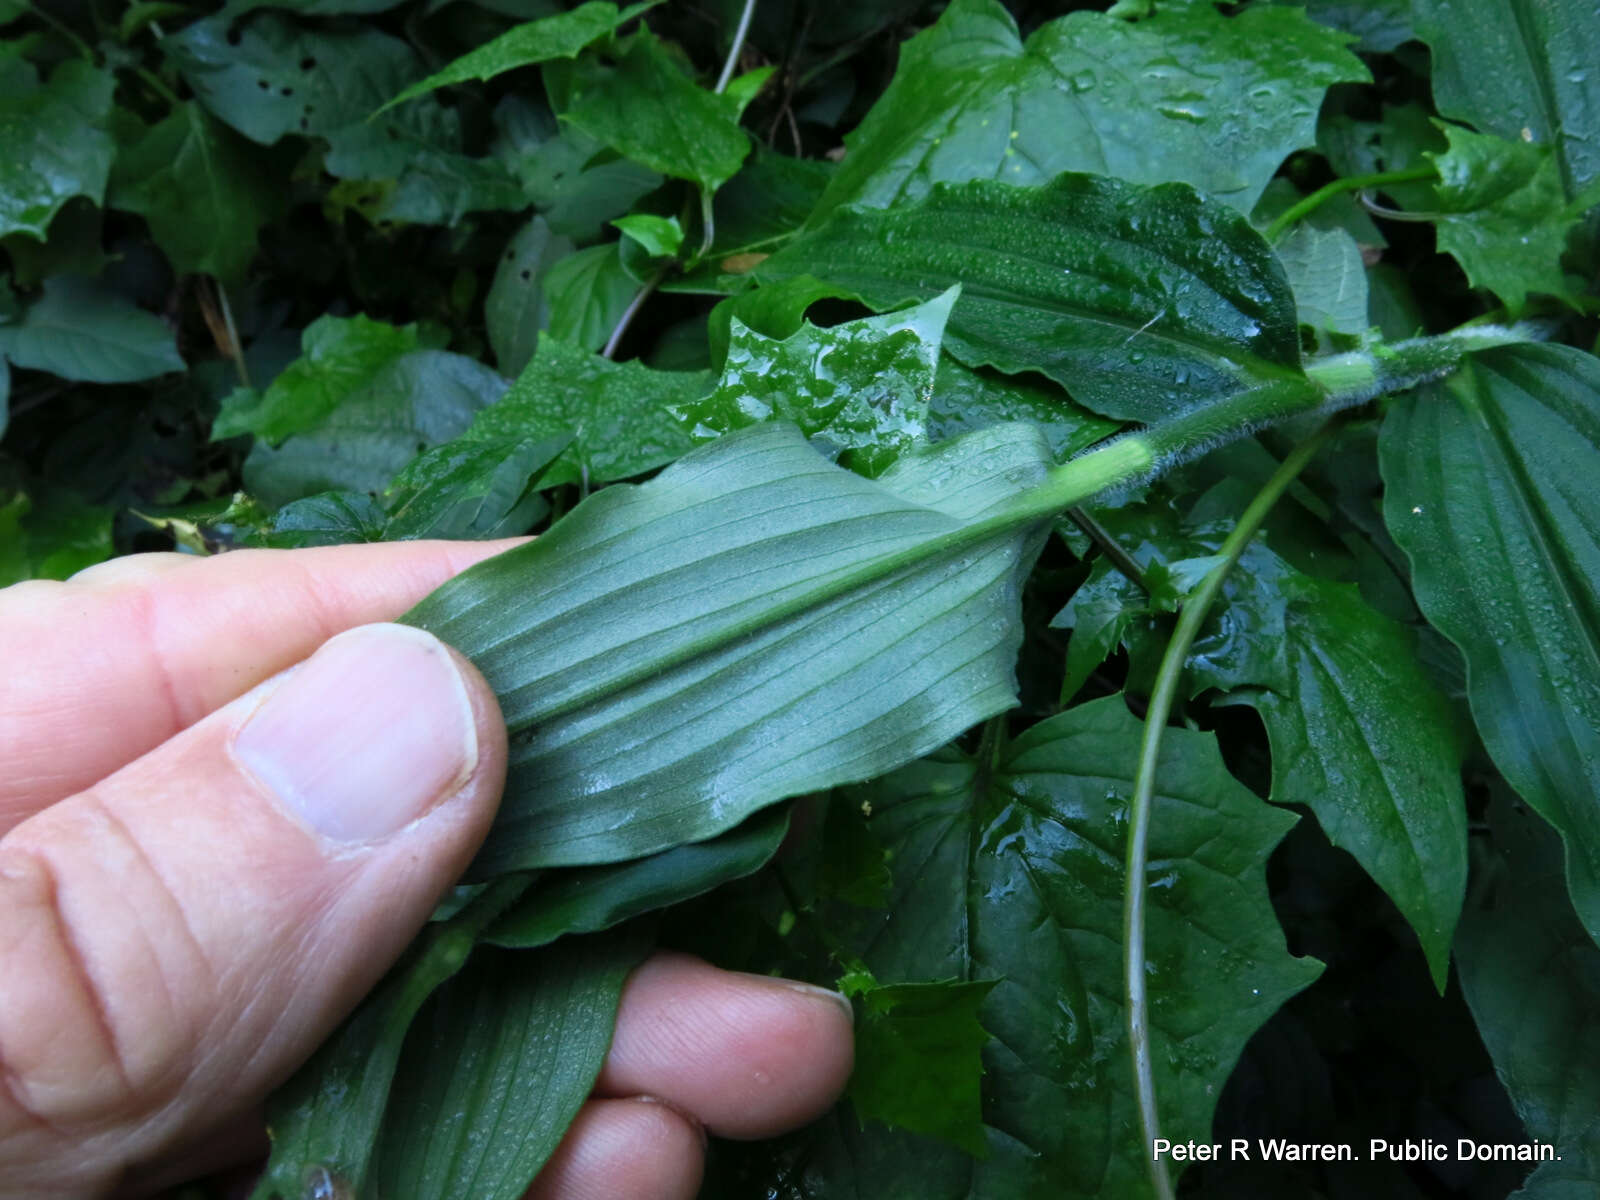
(795, 354)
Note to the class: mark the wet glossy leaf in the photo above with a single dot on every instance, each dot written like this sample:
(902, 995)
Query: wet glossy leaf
(648, 110)
(1142, 302)
(516, 310)
(497, 1065)
(587, 899)
(1011, 870)
(81, 330)
(468, 489)
(203, 189)
(660, 665)
(964, 400)
(1488, 490)
(1524, 70)
(53, 142)
(563, 35)
(616, 413)
(1187, 95)
(859, 390)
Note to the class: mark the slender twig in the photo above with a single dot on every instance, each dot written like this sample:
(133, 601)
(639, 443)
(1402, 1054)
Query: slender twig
(1193, 614)
(235, 348)
(737, 48)
(1351, 183)
(1101, 537)
(157, 85)
(631, 311)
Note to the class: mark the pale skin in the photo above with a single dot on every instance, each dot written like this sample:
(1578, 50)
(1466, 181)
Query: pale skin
(176, 936)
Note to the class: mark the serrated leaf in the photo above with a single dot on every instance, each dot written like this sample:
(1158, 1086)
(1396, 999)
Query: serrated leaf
(673, 656)
(468, 489)
(1187, 95)
(1011, 868)
(1488, 479)
(338, 356)
(617, 413)
(202, 189)
(777, 311)
(587, 293)
(1503, 215)
(562, 35)
(81, 330)
(917, 1063)
(53, 142)
(860, 389)
(497, 1065)
(587, 899)
(515, 310)
(646, 108)
(1523, 70)
(1142, 302)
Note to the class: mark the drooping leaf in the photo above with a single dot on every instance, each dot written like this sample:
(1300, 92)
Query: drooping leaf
(587, 293)
(1489, 491)
(1328, 278)
(328, 1115)
(1010, 868)
(81, 330)
(53, 142)
(497, 1065)
(617, 413)
(1531, 974)
(515, 309)
(202, 188)
(562, 35)
(860, 389)
(673, 656)
(338, 356)
(647, 109)
(1503, 215)
(588, 899)
(381, 422)
(1523, 70)
(468, 489)
(1142, 302)
(326, 519)
(1187, 95)
(917, 1063)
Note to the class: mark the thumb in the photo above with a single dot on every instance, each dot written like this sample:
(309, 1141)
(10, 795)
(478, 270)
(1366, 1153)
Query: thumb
(175, 940)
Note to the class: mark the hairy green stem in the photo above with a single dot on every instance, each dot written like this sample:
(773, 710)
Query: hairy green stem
(1351, 183)
(1193, 614)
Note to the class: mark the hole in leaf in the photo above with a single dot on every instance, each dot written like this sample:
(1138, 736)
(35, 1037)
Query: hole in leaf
(308, 63)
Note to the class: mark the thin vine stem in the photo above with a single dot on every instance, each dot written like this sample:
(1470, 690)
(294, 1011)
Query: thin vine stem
(1350, 183)
(235, 346)
(739, 35)
(1108, 545)
(1193, 614)
(632, 311)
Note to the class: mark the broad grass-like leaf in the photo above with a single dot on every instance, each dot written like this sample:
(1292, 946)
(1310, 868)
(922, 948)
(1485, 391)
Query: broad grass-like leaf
(53, 142)
(752, 624)
(1490, 492)
(1142, 302)
(1010, 868)
(559, 36)
(497, 1065)
(81, 330)
(1187, 95)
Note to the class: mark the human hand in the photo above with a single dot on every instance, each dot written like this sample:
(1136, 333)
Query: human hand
(209, 854)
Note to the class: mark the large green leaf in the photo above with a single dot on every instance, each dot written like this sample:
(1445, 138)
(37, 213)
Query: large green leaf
(560, 36)
(587, 294)
(203, 189)
(1328, 278)
(1532, 976)
(1187, 95)
(752, 624)
(646, 108)
(1522, 69)
(78, 329)
(53, 142)
(496, 1066)
(1490, 491)
(860, 389)
(1010, 868)
(617, 413)
(515, 310)
(1142, 302)
(468, 489)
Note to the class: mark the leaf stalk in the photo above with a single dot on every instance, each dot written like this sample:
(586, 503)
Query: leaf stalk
(1350, 183)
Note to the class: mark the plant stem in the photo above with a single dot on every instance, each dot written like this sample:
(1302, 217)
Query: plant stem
(235, 347)
(631, 311)
(1115, 554)
(1193, 614)
(739, 34)
(158, 85)
(1351, 183)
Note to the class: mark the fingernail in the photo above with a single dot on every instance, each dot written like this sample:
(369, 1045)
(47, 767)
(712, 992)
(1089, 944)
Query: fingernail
(811, 989)
(366, 736)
